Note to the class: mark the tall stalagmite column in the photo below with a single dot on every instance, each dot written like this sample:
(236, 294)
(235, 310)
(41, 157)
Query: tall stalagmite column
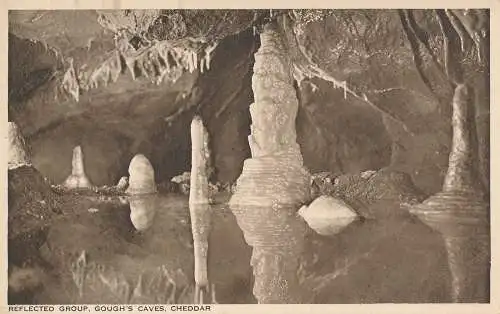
(273, 183)
(199, 206)
(459, 212)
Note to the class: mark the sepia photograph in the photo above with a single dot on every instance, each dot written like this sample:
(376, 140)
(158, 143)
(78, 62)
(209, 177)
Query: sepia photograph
(248, 156)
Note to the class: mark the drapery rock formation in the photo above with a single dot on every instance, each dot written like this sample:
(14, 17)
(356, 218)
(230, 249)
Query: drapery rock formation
(273, 182)
(460, 211)
(77, 179)
(199, 206)
(142, 176)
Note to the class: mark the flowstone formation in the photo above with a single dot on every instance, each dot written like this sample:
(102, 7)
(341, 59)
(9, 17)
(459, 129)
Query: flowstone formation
(142, 176)
(273, 183)
(77, 179)
(17, 148)
(199, 206)
(460, 212)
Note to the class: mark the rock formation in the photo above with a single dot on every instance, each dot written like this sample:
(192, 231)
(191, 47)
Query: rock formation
(273, 183)
(327, 215)
(122, 184)
(77, 179)
(142, 176)
(18, 155)
(460, 212)
(199, 206)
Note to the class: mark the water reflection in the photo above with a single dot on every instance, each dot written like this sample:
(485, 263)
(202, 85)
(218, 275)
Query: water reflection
(200, 225)
(277, 237)
(143, 209)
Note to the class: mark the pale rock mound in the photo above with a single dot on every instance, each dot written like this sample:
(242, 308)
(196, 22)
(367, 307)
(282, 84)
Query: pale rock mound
(328, 215)
(142, 176)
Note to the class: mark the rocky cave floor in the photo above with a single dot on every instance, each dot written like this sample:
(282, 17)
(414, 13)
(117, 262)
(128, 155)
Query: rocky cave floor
(74, 248)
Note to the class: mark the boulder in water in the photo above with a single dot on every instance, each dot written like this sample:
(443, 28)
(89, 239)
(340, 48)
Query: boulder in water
(328, 215)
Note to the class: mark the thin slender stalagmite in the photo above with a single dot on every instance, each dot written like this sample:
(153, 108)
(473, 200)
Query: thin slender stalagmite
(199, 206)
(18, 155)
(459, 212)
(273, 183)
(77, 179)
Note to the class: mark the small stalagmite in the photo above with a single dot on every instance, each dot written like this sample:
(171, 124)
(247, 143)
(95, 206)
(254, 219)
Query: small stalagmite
(199, 206)
(18, 155)
(273, 183)
(122, 184)
(77, 179)
(460, 212)
(142, 176)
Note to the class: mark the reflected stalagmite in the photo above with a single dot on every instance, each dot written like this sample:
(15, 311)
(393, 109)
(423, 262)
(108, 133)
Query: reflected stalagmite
(273, 183)
(142, 211)
(199, 205)
(459, 212)
(77, 179)
(142, 176)
(17, 148)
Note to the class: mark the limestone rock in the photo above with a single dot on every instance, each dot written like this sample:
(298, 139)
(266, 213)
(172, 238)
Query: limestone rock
(184, 177)
(17, 148)
(142, 176)
(122, 184)
(182, 182)
(328, 215)
(77, 179)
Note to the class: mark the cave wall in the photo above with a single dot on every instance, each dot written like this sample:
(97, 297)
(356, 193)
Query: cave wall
(106, 153)
(396, 113)
(337, 134)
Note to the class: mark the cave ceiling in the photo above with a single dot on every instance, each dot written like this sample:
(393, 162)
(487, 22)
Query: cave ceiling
(133, 71)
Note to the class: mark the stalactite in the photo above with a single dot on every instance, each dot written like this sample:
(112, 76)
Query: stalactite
(142, 176)
(70, 81)
(459, 212)
(77, 179)
(273, 183)
(199, 206)
(18, 155)
(154, 63)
